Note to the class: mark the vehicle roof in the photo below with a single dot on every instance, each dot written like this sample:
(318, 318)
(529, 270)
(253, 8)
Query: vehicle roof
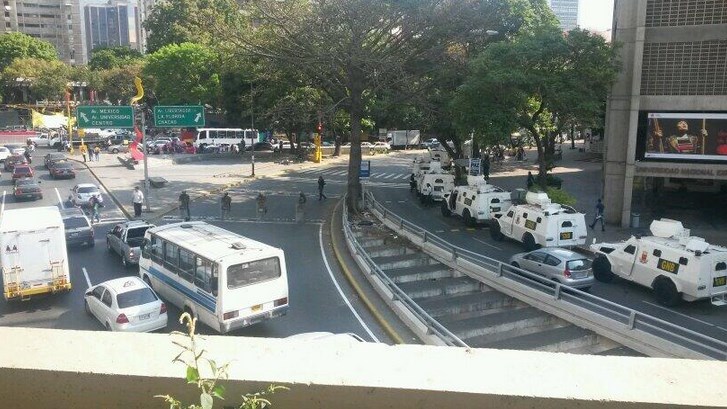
(30, 218)
(205, 239)
(561, 253)
(17, 167)
(56, 155)
(125, 284)
(60, 164)
(136, 223)
(26, 181)
(86, 185)
(2, 148)
(678, 245)
(553, 209)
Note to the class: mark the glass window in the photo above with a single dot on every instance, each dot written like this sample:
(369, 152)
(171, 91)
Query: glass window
(552, 261)
(510, 213)
(683, 261)
(157, 249)
(106, 298)
(720, 266)
(135, 297)
(253, 272)
(495, 200)
(537, 257)
(566, 224)
(98, 291)
(75, 222)
(202, 135)
(186, 265)
(213, 134)
(631, 249)
(203, 273)
(657, 253)
(171, 259)
(578, 265)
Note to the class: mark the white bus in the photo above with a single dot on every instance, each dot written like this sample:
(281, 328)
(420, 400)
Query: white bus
(224, 137)
(225, 280)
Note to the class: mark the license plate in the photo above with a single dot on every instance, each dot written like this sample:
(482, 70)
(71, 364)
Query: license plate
(719, 281)
(566, 235)
(256, 308)
(144, 316)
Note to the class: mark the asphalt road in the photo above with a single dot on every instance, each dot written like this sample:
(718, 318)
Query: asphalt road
(320, 299)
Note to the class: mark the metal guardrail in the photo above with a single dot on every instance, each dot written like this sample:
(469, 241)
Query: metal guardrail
(432, 325)
(627, 320)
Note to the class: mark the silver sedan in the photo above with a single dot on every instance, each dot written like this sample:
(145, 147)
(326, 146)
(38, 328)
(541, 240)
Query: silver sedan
(564, 266)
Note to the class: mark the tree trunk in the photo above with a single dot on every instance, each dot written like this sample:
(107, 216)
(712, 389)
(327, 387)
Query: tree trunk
(354, 158)
(542, 162)
(572, 136)
(337, 148)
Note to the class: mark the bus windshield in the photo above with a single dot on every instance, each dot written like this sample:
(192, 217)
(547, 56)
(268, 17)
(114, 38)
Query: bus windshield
(240, 275)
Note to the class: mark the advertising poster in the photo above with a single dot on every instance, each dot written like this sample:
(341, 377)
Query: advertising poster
(687, 136)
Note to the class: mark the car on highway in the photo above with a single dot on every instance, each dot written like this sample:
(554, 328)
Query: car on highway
(381, 147)
(261, 146)
(557, 264)
(431, 143)
(81, 194)
(22, 171)
(27, 189)
(4, 153)
(118, 148)
(126, 304)
(79, 230)
(53, 157)
(13, 160)
(125, 240)
(16, 149)
(62, 170)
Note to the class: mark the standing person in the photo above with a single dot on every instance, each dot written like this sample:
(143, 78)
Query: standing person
(95, 204)
(226, 206)
(300, 207)
(599, 215)
(531, 180)
(184, 212)
(96, 152)
(28, 157)
(84, 151)
(262, 208)
(486, 167)
(137, 199)
(321, 183)
(412, 183)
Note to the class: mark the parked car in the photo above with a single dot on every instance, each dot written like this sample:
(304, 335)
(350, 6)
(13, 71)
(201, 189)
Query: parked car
(382, 146)
(27, 189)
(126, 304)
(13, 160)
(431, 143)
(51, 158)
(118, 148)
(557, 264)
(16, 149)
(125, 240)
(81, 194)
(366, 145)
(79, 230)
(22, 171)
(62, 170)
(4, 153)
(261, 146)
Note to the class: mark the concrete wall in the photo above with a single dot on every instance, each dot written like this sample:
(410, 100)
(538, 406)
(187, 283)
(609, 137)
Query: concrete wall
(42, 368)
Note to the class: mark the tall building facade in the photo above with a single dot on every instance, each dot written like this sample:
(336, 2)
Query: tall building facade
(666, 120)
(567, 13)
(55, 21)
(111, 25)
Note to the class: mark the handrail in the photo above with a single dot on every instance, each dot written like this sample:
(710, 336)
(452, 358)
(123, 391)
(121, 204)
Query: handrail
(432, 324)
(563, 297)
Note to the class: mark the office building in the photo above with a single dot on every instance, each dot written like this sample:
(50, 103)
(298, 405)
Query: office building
(567, 13)
(111, 25)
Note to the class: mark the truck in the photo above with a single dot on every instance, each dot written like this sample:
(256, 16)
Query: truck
(34, 258)
(477, 202)
(674, 264)
(432, 182)
(125, 240)
(408, 139)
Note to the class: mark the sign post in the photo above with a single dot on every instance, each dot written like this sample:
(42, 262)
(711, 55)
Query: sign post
(181, 116)
(96, 116)
(475, 166)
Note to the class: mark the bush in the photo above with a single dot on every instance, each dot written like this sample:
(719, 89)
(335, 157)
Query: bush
(554, 181)
(561, 196)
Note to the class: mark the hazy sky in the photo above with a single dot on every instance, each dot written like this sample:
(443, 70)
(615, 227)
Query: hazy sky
(595, 14)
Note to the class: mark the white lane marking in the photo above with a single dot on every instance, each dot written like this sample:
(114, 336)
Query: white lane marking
(60, 201)
(393, 175)
(339, 173)
(2, 209)
(338, 287)
(85, 274)
(684, 315)
(486, 244)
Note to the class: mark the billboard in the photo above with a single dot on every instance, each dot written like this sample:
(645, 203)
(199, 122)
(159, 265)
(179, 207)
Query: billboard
(687, 136)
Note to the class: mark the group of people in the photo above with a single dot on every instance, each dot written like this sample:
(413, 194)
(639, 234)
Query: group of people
(93, 154)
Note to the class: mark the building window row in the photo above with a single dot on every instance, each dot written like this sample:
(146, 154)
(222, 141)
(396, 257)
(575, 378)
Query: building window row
(685, 68)
(661, 13)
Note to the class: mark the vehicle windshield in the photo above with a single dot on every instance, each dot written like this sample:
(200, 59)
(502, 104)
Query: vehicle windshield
(134, 237)
(62, 165)
(240, 275)
(576, 265)
(75, 222)
(56, 156)
(22, 170)
(135, 297)
(91, 189)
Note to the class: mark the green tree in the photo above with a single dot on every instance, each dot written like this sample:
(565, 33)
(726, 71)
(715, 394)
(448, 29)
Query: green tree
(177, 22)
(541, 81)
(184, 73)
(36, 79)
(117, 84)
(112, 57)
(18, 45)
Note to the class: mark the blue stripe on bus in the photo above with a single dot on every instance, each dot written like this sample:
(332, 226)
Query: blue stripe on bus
(207, 302)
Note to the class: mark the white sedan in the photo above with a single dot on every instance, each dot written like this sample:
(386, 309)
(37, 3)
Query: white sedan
(81, 194)
(382, 146)
(126, 304)
(4, 153)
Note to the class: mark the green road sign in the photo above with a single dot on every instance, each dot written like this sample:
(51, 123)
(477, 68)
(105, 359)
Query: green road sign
(104, 117)
(182, 116)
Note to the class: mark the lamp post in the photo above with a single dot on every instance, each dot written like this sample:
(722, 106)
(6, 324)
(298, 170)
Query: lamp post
(252, 128)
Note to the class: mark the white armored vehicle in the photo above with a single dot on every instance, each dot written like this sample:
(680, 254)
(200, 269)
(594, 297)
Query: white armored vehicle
(540, 223)
(674, 264)
(476, 203)
(433, 183)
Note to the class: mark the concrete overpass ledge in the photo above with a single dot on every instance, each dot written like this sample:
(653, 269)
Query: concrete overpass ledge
(42, 368)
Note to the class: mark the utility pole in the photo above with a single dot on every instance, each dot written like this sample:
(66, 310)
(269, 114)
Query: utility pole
(252, 126)
(146, 167)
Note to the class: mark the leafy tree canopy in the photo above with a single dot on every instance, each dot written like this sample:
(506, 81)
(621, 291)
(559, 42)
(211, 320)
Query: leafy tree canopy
(105, 58)
(45, 79)
(176, 22)
(18, 45)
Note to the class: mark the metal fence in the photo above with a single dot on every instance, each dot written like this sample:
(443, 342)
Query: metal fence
(628, 322)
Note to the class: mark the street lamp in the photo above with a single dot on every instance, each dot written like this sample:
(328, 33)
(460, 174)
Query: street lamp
(252, 128)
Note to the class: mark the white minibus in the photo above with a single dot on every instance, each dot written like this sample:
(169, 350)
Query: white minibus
(225, 280)
(224, 137)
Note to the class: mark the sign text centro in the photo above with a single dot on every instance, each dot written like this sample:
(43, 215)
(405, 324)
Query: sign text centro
(181, 116)
(105, 117)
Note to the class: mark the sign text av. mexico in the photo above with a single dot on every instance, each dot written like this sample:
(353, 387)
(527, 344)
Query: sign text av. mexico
(105, 117)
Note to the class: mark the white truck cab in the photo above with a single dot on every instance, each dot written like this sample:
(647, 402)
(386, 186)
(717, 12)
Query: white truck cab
(674, 264)
(476, 203)
(540, 223)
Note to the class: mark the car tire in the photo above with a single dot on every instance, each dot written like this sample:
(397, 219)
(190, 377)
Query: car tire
(602, 269)
(87, 307)
(495, 232)
(469, 221)
(445, 209)
(529, 242)
(108, 327)
(114, 151)
(148, 281)
(666, 292)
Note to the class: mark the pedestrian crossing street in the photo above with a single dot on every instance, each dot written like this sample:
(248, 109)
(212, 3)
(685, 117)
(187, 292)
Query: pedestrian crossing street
(343, 172)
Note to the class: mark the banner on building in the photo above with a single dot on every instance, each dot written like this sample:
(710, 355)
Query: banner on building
(687, 136)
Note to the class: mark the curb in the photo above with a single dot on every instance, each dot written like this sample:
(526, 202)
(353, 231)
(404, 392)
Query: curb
(108, 191)
(349, 276)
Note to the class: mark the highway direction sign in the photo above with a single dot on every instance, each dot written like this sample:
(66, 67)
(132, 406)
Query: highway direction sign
(182, 116)
(104, 117)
